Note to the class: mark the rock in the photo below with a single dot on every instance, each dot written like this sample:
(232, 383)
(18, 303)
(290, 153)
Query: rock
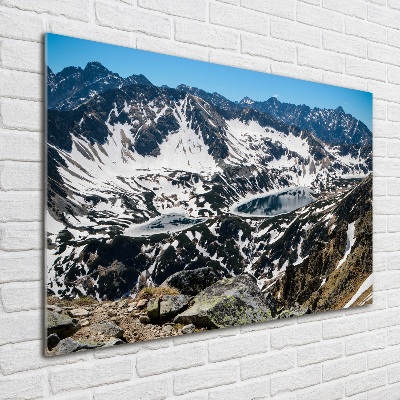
(52, 341)
(142, 303)
(69, 345)
(79, 313)
(55, 308)
(229, 302)
(61, 324)
(107, 329)
(172, 305)
(153, 309)
(192, 282)
(188, 329)
(113, 342)
(84, 322)
(167, 328)
(144, 319)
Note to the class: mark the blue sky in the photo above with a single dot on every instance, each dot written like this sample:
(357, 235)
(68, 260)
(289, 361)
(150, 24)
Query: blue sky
(233, 83)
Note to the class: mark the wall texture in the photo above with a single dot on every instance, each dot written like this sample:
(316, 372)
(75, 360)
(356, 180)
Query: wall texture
(347, 354)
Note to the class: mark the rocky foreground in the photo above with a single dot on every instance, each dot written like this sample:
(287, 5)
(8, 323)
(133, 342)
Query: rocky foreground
(85, 323)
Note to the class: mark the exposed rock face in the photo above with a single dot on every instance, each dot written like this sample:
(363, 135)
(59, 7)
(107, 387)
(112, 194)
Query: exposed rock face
(61, 324)
(167, 307)
(229, 302)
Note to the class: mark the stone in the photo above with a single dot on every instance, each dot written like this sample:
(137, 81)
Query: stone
(55, 308)
(84, 322)
(113, 342)
(61, 324)
(173, 305)
(229, 302)
(188, 329)
(108, 329)
(167, 328)
(144, 319)
(52, 341)
(69, 345)
(78, 313)
(142, 303)
(153, 309)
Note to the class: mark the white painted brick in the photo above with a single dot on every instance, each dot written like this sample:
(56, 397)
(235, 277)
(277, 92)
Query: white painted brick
(393, 298)
(239, 18)
(302, 378)
(198, 396)
(239, 60)
(393, 224)
(379, 188)
(386, 242)
(365, 382)
(393, 38)
(22, 114)
(19, 327)
(226, 349)
(14, 296)
(283, 8)
(382, 358)
(383, 54)
(205, 35)
(386, 129)
(153, 389)
(23, 56)
(393, 262)
(379, 112)
(21, 175)
(270, 48)
(15, 267)
(365, 30)
(249, 391)
(384, 394)
(383, 319)
(320, 59)
(384, 16)
(20, 206)
(25, 146)
(319, 353)
(267, 364)
(393, 336)
(366, 342)
(343, 367)
(173, 359)
(130, 19)
(206, 335)
(394, 4)
(296, 335)
(23, 386)
(393, 112)
(366, 69)
(295, 32)
(21, 236)
(195, 9)
(390, 94)
(21, 26)
(296, 71)
(315, 2)
(354, 8)
(330, 391)
(380, 150)
(84, 376)
(394, 75)
(350, 82)
(344, 44)
(391, 203)
(203, 378)
(387, 280)
(393, 374)
(319, 17)
(76, 9)
(381, 2)
(343, 327)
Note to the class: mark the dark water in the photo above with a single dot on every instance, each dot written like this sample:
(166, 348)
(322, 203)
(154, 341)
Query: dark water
(279, 203)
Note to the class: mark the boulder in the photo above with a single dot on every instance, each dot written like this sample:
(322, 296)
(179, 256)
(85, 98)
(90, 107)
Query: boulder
(192, 282)
(78, 313)
(188, 329)
(173, 305)
(107, 329)
(52, 341)
(69, 345)
(229, 302)
(142, 303)
(61, 324)
(153, 309)
(144, 319)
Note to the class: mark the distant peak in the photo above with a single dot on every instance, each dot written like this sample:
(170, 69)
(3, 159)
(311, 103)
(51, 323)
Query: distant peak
(273, 101)
(339, 109)
(96, 68)
(246, 100)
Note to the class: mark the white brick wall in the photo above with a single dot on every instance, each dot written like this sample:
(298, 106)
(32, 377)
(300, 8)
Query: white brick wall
(347, 354)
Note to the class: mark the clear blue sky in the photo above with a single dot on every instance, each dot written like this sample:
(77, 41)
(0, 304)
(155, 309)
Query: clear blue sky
(233, 83)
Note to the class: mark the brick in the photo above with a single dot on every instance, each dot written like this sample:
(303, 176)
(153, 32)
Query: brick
(354, 8)
(365, 30)
(133, 20)
(379, 111)
(380, 149)
(394, 76)
(239, 60)
(387, 280)
(16, 267)
(383, 54)
(339, 79)
(387, 242)
(386, 129)
(20, 206)
(393, 299)
(379, 188)
(366, 69)
(206, 335)
(142, 390)
(384, 394)
(203, 378)
(320, 59)
(384, 16)
(267, 364)
(283, 9)
(270, 48)
(23, 146)
(383, 319)
(76, 9)
(383, 358)
(365, 382)
(22, 114)
(21, 236)
(295, 32)
(21, 26)
(174, 359)
(319, 17)
(20, 327)
(365, 342)
(205, 35)
(302, 378)
(195, 9)
(344, 44)
(86, 376)
(14, 296)
(319, 353)
(393, 38)
(330, 391)
(394, 4)
(296, 71)
(296, 335)
(393, 112)
(23, 56)
(344, 367)
(25, 386)
(393, 374)
(249, 391)
(393, 259)
(393, 336)
(21, 175)
(238, 18)
(387, 205)
(343, 327)
(226, 349)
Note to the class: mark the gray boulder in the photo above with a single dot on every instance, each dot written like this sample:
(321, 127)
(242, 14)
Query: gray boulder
(172, 305)
(61, 324)
(108, 329)
(229, 302)
(69, 345)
